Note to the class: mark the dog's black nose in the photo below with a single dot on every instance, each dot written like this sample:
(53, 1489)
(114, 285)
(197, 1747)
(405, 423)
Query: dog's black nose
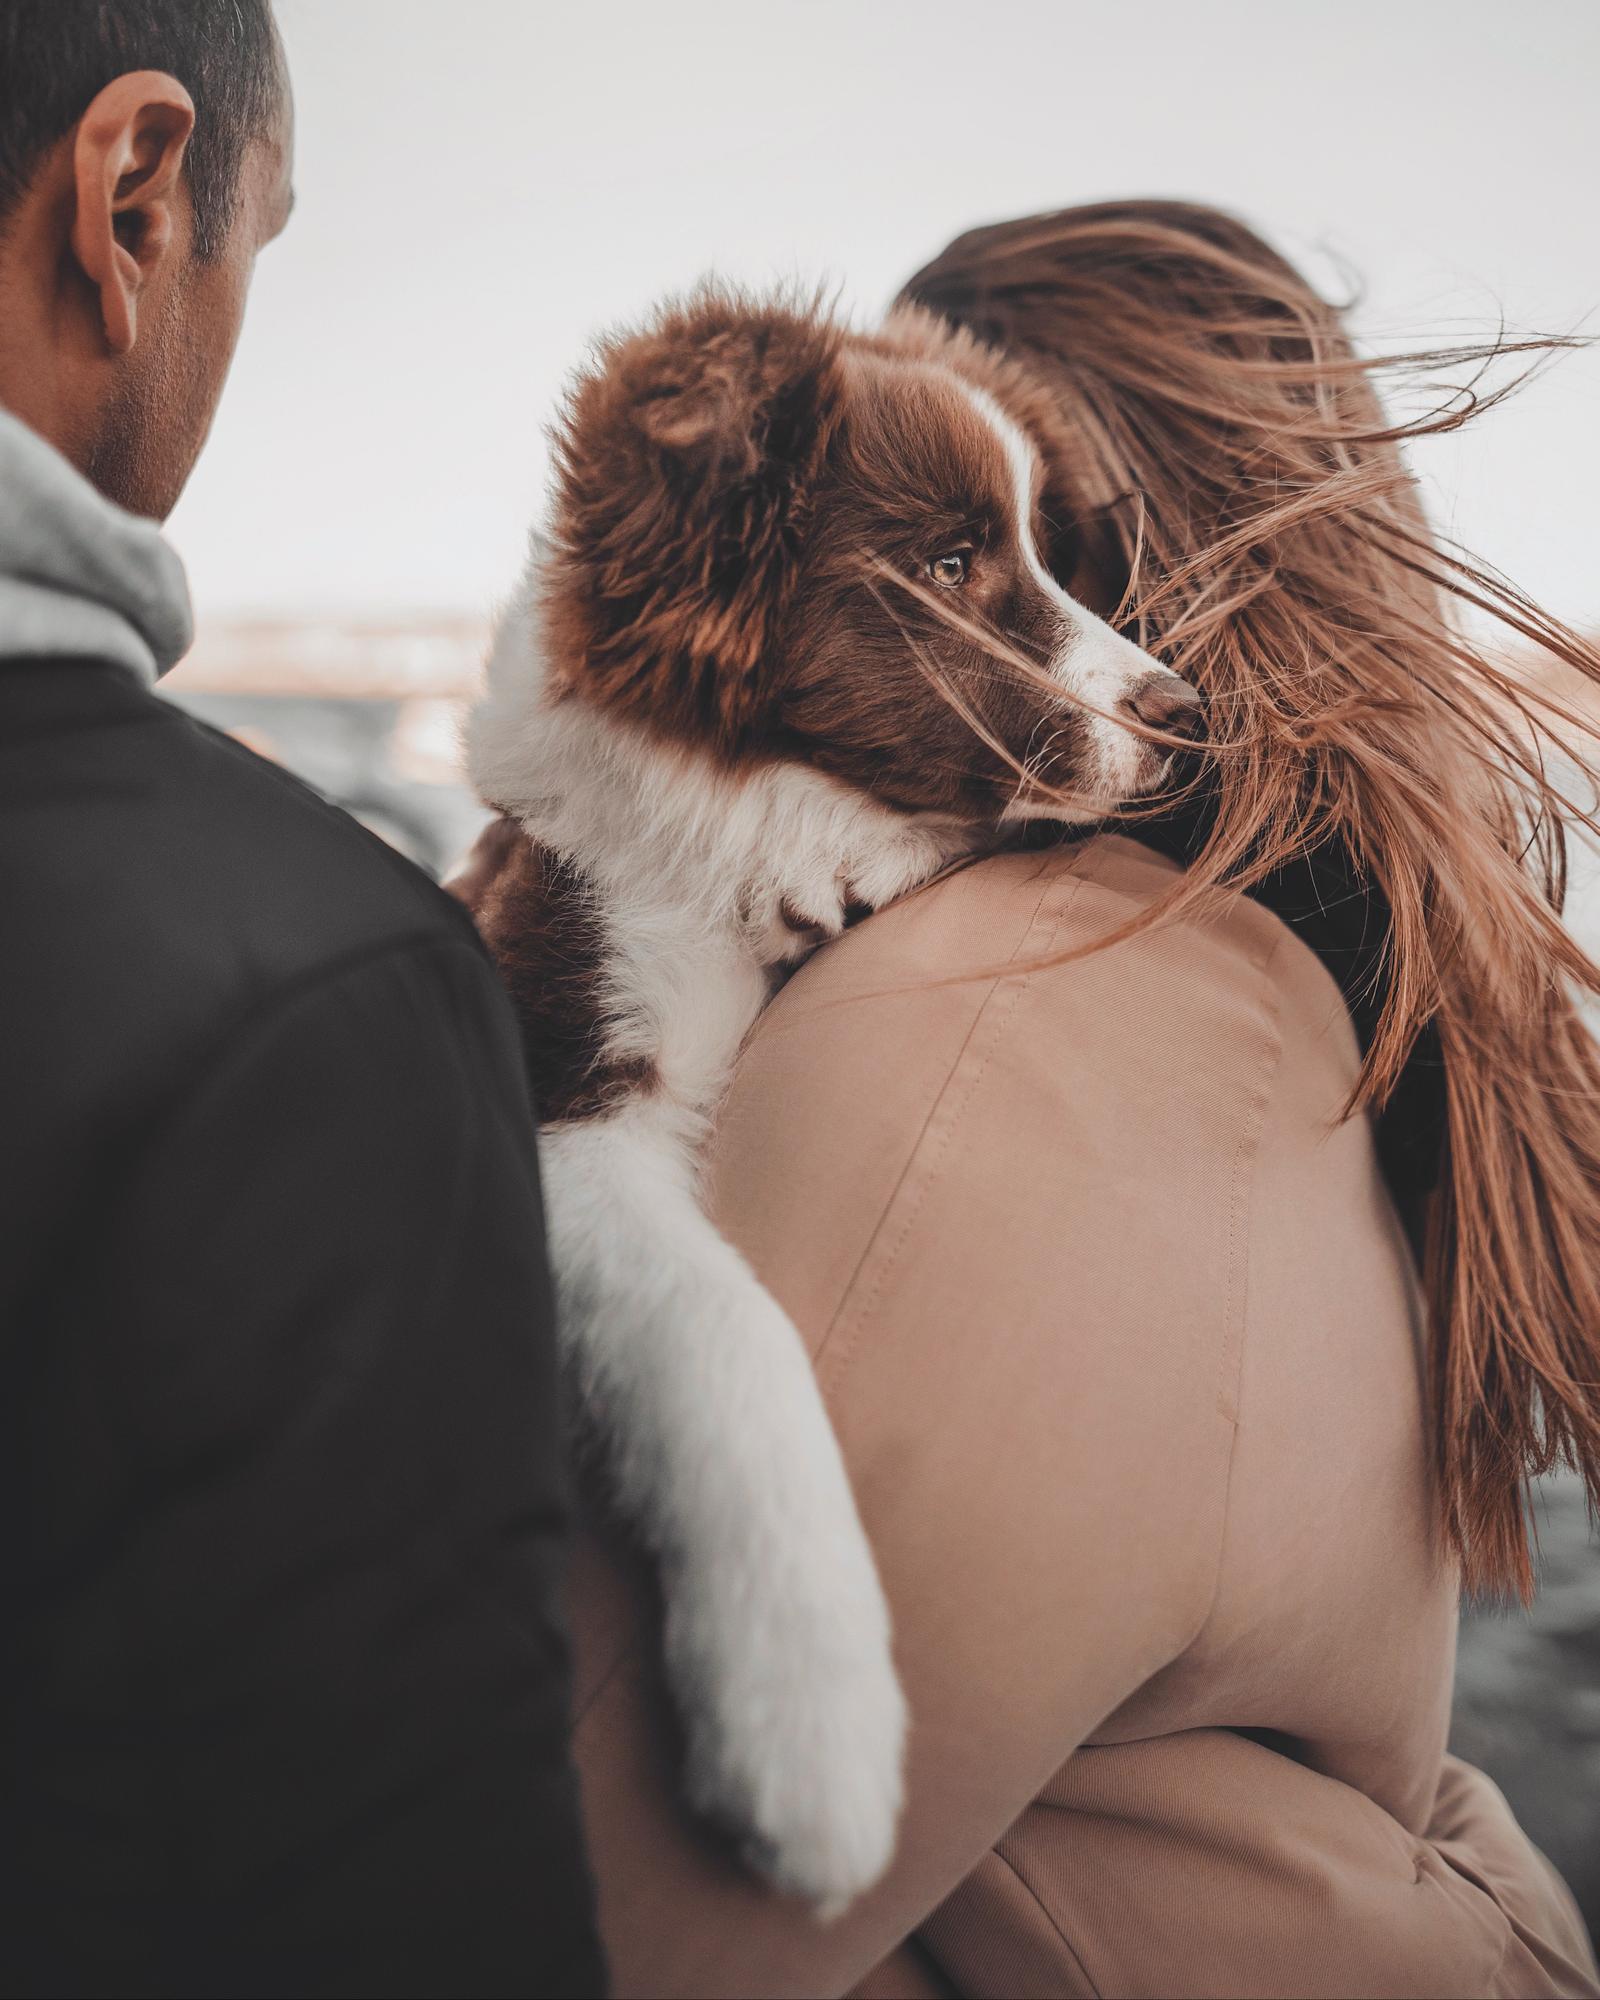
(1163, 701)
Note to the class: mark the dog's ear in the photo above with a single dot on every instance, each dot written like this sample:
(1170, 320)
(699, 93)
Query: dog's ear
(687, 463)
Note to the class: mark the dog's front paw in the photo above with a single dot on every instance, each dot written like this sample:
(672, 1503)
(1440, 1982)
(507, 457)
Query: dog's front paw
(796, 1725)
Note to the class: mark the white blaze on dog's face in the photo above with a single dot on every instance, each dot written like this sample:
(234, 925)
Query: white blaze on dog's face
(1106, 675)
(776, 540)
(892, 679)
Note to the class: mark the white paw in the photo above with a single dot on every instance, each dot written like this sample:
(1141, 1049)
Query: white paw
(796, 1723)
(899, 866)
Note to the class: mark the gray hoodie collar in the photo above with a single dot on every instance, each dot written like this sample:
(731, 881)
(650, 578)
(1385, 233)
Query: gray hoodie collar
(79, 578)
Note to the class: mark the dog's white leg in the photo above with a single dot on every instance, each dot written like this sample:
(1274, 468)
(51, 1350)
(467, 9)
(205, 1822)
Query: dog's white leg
(777, 1634)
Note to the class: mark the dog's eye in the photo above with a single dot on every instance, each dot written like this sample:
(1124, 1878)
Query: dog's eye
(950, 570)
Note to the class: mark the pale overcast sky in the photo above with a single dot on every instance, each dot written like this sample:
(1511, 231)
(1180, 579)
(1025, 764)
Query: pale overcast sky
(485, 183)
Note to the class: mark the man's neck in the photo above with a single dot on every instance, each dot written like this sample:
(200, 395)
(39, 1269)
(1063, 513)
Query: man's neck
(79, 578)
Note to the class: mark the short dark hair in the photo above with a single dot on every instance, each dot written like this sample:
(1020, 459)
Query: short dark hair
(56, 56)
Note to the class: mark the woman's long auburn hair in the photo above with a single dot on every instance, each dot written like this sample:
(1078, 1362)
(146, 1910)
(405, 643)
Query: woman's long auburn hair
(1247, 496)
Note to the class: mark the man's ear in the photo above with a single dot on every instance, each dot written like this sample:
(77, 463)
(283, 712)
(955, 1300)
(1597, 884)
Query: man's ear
(127, 165)
(687, 464)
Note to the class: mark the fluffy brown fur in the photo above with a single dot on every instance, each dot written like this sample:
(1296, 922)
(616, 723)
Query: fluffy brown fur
(688, 462)
(537, 918)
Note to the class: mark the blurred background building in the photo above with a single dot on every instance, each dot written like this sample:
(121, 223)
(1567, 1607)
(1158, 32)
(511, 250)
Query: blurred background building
(484, 187)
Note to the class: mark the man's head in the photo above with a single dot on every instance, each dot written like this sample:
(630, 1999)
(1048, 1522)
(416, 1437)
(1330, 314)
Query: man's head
(145, 158)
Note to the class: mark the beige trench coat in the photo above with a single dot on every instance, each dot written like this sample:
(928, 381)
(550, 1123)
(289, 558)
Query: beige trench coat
(1121, 1338)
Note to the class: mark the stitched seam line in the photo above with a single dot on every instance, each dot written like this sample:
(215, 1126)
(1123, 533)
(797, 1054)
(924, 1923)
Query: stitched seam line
(1242, 1183)
(843, 1335)
(1044, 1910)
(1515, 1932)
(1236, 1323)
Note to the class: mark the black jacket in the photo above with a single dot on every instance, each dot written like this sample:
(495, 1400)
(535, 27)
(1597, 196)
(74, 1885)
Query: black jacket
(285, 1683)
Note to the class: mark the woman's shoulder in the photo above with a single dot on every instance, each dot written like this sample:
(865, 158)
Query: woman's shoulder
(1012, 977)
(1030, 912)
(968, 1061)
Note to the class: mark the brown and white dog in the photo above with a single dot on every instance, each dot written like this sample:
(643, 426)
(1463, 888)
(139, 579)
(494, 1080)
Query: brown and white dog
(764, 672)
